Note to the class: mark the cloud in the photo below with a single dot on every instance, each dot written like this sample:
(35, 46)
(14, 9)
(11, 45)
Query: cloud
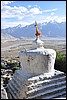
(35, 11)
(18, 12)
(58, 19)
(29, 21)
(13, 12)
(6, 2)
(29, 6)
(26, 16)
(52, 13)
(3, 3)
(35, 5)
(14, 23)
(21, 11)
(50, 10)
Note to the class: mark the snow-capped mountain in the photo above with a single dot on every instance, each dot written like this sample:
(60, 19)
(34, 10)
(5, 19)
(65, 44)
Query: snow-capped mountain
(50, 29)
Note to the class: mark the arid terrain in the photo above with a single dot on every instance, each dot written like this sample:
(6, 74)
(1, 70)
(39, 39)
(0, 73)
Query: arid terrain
(12, 48)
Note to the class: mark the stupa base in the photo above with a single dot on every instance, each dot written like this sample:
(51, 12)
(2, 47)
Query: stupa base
(43, 86)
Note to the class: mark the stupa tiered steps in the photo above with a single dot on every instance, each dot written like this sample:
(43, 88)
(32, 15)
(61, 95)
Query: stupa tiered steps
(44, 86)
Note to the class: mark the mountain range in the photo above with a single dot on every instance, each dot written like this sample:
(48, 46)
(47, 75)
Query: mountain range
(50, 29)
(7, 37)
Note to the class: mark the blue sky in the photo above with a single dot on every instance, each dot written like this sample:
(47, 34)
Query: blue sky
(25, 13)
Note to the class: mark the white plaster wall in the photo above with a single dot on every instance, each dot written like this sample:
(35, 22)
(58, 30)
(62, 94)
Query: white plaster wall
(38, 62)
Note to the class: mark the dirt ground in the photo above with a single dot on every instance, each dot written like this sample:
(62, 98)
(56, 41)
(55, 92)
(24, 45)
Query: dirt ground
(12, 48)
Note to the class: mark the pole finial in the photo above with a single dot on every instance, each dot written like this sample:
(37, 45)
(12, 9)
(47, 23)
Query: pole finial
(37, 32)
(36, 24)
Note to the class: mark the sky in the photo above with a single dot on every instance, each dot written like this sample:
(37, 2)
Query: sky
(25, 13)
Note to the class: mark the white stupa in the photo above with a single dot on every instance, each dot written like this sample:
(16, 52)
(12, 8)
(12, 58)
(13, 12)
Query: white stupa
(37, 78)
(38, 59)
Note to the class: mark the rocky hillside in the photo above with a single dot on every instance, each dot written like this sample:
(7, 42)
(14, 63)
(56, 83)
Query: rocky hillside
(7, 37)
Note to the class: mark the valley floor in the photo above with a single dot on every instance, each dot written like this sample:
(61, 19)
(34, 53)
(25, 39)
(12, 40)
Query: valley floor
(12, 48)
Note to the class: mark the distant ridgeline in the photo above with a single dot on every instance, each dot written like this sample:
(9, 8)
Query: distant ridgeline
(51, 29)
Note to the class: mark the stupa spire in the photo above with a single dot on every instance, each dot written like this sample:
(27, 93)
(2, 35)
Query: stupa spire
(38, 42)
(37, 32)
